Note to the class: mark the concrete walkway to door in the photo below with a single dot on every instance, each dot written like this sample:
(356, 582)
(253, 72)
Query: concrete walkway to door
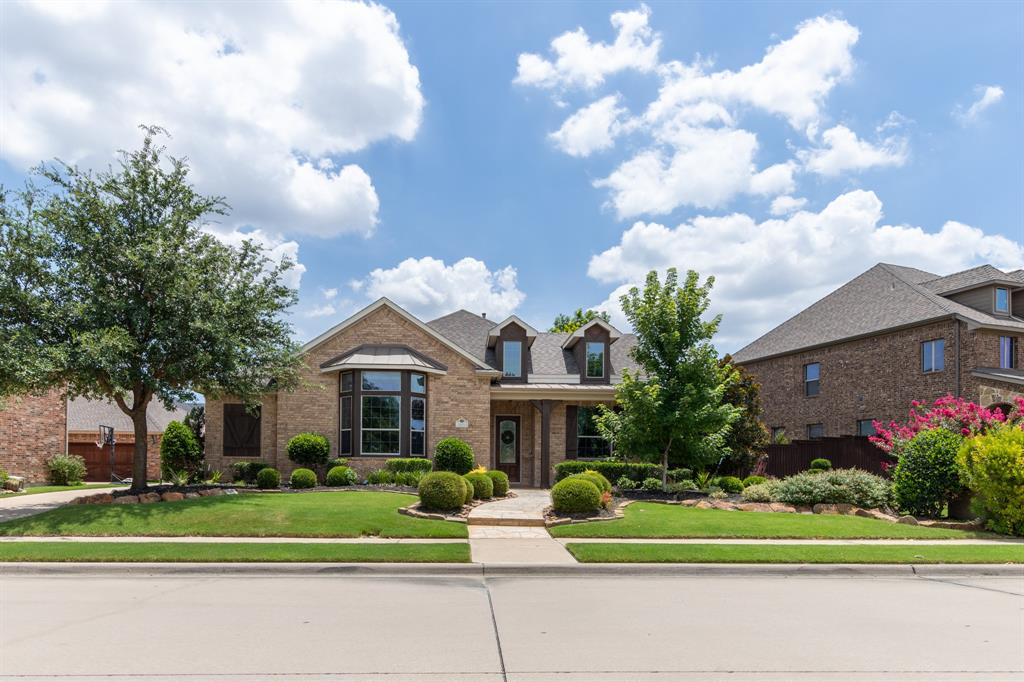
(512, 532)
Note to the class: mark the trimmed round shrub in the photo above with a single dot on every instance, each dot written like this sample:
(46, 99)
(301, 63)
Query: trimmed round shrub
(65, 469)
(467, 490)
(268, 478)
(753, 480)
(927, 476)
(309, 449)
(340, 476)
(626, 483)
(682, 486)
(246, 472)
(180, 452)
(676, 475)
(602, 483)
(730, 484)
(303, 478)
(575, 495)
(760, 492)
(841, 486)
(380, 477)
(453, 454)
(820, 464)
(499, 479)
(442, 491)
(337, 462)
(993, 467)
(651, 485)
(483, 487)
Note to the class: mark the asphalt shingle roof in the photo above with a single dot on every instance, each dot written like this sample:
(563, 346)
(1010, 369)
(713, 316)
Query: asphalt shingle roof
(883, 298)
(87, 415)
(966, 279)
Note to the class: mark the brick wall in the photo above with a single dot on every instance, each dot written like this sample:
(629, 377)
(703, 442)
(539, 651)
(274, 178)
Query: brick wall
(32, 429)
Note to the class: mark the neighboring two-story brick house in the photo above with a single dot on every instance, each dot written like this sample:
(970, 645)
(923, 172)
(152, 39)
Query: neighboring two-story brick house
(891, 336)
(385, 384)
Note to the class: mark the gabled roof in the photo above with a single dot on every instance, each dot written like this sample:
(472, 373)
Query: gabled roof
(968, 279)
(885, 297)
(372, 356)
(613, 333)
(495, 331)
(87, 415)
(478, 362)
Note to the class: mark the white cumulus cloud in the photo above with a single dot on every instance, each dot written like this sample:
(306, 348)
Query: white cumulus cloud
(275, 248)
(767, 271)
(843, 151)
(987, 96)
(785, 204)
(592, 128)
(429, 288)
(263, 100)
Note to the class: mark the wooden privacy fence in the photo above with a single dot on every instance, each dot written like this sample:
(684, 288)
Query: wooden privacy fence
(845, 452)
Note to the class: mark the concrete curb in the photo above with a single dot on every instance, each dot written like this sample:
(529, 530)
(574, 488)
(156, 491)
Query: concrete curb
(511, 570)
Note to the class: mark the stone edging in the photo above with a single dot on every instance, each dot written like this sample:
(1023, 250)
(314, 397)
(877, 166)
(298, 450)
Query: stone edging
(460, 517)
(551, 519)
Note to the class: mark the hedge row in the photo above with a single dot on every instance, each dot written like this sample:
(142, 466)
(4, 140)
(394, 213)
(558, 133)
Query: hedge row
(613, 471)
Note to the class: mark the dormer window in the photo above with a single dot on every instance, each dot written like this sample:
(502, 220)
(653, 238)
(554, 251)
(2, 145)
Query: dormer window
(512, 358)
(1003, 300)
(595, 359)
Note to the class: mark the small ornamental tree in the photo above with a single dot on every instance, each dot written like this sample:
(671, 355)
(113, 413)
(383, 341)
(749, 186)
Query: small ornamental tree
(180, 452)
(673, 409)
(110, 288)
(309, 449)
(952, 414)
(570, 323)
(749, 437)
(196, 421)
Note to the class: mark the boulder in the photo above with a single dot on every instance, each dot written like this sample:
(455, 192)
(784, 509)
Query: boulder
(723, 505)
(192, 495)
(822, 508)
(803, 509)
(15, 483)
(690, 503)
(172, 497)
(907, 520)
(101, 498)
(213, 492)
(783, 508)
(127, 499)
(754, 507)
(703, 504)
(149, 498)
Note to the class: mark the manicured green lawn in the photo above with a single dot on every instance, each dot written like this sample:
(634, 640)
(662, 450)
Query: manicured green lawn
(610, 552)
(451, 552)
(648, 520)
(35, 490)
(340, 514)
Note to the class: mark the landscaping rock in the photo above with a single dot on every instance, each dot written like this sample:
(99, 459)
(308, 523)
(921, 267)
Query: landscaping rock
(723, 505)
(172, 497)
(15, 483)
(703, 504)
(783, 508)
(149, 498)
(192, 496)
(754, 507)
(803, 509)
(127, 499)
(213, 492)
(102, 498)
(823, 508)
(690, 503)
(976, 524)
(907, 520)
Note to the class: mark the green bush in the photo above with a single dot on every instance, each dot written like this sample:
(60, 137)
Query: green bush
(453, 454)
(611, 470)
(682, 486)
(3, 477)
(381, 477)
(624, 483)
(597, 479)
(483, 487)
(820, 464)
(575, 495)
(468, 491)
(180, 452)
(730, 484)
(340, 476)
(309, 449)
(927, 476)
(400, 465)
(337, 462)
(408, 478)
(992, 466)
(840, 486)
(500, 481)
(442, 491)
(246, 472)
(651, 485)
(66, 469)
(268, 478)
(761, 492)
(753, 480)
(303, 478)
(676, 475)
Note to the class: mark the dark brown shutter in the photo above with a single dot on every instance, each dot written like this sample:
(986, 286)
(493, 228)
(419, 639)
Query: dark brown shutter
(571, 441)
(241, 432)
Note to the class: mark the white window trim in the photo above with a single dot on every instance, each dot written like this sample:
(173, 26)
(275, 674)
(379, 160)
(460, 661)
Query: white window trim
(995, 301)
(931, 345)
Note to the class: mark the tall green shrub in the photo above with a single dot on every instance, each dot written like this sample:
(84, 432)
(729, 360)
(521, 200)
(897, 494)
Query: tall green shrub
(180, 452)
(65, 469)
(927, 476)
(453, 454)
(992, 466)
(309, 449)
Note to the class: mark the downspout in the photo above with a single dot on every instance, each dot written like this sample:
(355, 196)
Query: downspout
(956, 342)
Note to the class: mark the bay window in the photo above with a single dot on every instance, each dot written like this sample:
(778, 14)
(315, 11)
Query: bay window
(383, 413)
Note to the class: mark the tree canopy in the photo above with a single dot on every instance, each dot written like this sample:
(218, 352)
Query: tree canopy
(570, 323)
(110, 288)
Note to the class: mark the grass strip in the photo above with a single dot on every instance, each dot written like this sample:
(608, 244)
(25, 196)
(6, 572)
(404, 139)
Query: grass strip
(350, 514)
(611, 552)
(233, 552)
(36, 490)
(648, 520)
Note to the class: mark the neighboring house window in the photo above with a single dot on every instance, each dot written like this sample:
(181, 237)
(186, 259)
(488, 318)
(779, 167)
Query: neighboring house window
(345, 418)
(512, 358)
(595, 359)
(865, 427)
(381, 425)
(1002, 300)
(778, 434)
(812, 379)
(589, 440)
(241, 432)
(933, 356)
(815, 431)
(1007, 352)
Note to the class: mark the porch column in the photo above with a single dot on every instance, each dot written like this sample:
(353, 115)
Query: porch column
(544, 407)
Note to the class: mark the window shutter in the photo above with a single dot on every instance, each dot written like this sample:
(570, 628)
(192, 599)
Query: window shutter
(241, 432)
(571, 441)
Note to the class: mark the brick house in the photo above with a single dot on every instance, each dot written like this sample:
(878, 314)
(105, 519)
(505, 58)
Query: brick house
(384, 384)
(32, 429)
(888, 337)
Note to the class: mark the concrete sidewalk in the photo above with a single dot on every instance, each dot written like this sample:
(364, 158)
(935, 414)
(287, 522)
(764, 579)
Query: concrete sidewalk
(512, 532)
(795, 541)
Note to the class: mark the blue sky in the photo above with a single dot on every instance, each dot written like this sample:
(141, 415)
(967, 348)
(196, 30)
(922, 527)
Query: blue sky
(355, 137)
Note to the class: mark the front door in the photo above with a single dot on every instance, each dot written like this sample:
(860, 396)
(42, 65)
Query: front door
(506, 444)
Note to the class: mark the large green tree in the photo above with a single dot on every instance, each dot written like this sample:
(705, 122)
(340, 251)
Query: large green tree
(109, 288)
(570, 323)
(673, 409)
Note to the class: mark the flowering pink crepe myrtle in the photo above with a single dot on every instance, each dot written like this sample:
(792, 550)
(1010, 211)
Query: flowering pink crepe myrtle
(948, 412)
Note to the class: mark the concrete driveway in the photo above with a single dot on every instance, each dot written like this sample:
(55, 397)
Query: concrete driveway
(17, 506)
(527, 629)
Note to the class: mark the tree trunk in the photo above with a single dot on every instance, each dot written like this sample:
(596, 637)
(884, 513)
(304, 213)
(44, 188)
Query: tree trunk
(141, 449)
(664, 467)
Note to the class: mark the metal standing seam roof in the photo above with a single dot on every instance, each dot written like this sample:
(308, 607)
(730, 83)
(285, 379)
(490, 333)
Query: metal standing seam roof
(87, 415)
(384, 356)
(883, 298)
